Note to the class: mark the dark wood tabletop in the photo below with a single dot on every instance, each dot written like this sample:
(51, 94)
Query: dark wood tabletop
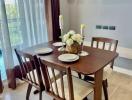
(96, 60)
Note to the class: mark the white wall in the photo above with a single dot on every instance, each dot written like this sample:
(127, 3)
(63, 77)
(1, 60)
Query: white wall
(101, 12)
(94, 12)
(64, 10)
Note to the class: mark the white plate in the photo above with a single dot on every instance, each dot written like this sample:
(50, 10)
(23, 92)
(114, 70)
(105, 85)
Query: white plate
(58, 44)
(43, 50)
(68, 57)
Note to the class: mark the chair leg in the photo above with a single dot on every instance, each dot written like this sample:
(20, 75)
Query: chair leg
(40, 95)
(85, 98)
(105, 86)
(88, 78)
(28, 91)
(37, 91)
(79, 75)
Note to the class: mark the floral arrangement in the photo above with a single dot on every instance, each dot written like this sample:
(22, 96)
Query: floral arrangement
(72, 37)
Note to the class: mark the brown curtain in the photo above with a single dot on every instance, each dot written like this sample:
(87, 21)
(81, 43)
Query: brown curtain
(52, 17)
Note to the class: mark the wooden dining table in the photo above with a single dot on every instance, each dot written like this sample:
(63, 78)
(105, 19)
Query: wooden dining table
(93, 63)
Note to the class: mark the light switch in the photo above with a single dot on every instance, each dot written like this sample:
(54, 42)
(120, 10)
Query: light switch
(112, 28)
(98, 27)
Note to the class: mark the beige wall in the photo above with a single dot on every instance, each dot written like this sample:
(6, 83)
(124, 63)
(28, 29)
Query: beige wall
(64, 10)
(101, 12)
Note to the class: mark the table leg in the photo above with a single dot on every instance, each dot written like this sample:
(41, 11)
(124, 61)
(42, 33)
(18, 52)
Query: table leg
(98, 85)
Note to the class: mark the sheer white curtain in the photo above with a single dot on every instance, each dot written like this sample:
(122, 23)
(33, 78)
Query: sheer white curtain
(22, 24)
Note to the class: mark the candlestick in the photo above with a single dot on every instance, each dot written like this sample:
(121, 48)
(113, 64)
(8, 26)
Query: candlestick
(61, 28)
(61, 22)
(82, 29)
(83, 53)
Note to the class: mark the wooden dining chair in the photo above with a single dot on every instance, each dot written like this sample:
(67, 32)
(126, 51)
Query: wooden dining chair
(105, 44)
(30, 71)
(66, 87)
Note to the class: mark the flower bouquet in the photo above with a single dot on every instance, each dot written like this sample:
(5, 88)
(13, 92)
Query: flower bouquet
(72, 41)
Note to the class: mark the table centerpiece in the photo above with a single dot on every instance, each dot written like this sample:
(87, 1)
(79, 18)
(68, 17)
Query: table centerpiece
(73, 41)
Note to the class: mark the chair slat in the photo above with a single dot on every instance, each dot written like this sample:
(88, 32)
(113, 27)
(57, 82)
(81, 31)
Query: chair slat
(22, 68)
(55, 83)
(25, 70)
(47, 81)
(92, 43)
(110, 45)
(97, 44)
(103, 45)
(62, 84)
(27, 67)
(32, 71)
(49, 78)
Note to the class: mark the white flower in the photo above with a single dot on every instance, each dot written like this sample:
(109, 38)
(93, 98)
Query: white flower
(74, 37)
(69, 42)
(66, 37)
(78, 38)
(71, 32)
(71, 37)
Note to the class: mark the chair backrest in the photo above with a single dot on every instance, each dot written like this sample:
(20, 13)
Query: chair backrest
(54, 85)
(30, 68)
(104, 43)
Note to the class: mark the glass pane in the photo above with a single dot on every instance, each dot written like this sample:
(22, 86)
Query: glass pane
(2, 66)
(13, 22)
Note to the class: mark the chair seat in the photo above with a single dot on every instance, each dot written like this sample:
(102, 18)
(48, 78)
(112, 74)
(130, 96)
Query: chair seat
(74, 74)
(81, 88)
(50, 74)
(106, 73)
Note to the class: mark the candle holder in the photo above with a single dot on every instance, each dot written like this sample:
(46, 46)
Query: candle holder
(62, 48)
(82, 52)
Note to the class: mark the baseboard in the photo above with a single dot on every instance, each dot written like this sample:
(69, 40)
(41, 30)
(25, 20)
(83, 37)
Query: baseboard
(123, 70)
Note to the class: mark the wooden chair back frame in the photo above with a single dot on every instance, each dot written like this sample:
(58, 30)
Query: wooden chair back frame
(28, 65)
(48, 82)
(104, 41)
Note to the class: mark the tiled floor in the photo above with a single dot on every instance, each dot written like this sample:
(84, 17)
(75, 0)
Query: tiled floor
(120, 88)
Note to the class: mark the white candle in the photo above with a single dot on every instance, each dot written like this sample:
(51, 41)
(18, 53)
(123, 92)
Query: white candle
(82, 28)
(61, 22)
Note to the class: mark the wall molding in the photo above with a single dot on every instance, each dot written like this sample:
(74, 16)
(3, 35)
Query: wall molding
(123, 52)
(122, 70)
